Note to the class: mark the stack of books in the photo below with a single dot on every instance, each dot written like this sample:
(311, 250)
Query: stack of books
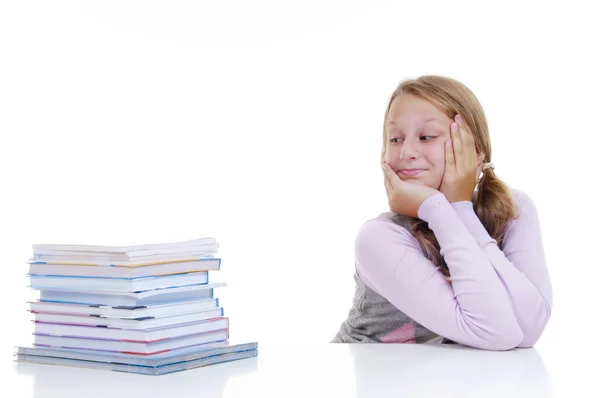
(147, 309)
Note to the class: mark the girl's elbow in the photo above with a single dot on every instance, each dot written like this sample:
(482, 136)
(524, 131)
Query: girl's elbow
(535, 331)
(501, 340)
(505, 339)
(508, 340)
(529, 339)
(527, 344)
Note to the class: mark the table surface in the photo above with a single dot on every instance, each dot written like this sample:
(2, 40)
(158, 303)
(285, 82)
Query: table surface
(313, 370)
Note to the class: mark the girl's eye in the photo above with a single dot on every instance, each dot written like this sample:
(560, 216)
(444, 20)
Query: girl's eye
(423, 138)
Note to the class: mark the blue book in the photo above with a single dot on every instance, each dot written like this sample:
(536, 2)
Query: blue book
(146, 297)
(202, 356)
(119, 285)
(124, 312)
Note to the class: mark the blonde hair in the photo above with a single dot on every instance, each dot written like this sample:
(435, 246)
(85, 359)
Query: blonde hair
(492, 201)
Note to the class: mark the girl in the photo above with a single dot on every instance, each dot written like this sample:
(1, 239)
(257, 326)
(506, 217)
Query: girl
(459, 259)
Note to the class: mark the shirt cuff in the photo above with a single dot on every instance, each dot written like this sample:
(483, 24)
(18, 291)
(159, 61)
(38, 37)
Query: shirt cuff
(431, 206)
(464, 206)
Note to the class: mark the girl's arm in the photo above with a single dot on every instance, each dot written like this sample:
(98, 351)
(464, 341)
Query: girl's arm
(474, 311)
(521, 265)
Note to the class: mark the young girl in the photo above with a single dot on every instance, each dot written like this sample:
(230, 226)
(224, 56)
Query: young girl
(449, 263)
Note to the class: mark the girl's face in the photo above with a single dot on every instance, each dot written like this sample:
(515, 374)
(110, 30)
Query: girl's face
(416, 131)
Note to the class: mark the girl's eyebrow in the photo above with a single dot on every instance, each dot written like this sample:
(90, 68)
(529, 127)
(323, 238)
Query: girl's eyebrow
(433, 119)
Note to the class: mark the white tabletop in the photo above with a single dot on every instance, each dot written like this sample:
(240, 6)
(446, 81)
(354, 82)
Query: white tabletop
(340, 370)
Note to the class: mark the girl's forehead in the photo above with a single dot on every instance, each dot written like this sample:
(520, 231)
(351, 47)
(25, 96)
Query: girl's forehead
(414, 110)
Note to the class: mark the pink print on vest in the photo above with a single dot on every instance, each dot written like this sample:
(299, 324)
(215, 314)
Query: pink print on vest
(405, 334)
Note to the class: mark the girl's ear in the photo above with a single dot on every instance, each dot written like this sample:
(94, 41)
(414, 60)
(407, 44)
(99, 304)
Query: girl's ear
(480, 158)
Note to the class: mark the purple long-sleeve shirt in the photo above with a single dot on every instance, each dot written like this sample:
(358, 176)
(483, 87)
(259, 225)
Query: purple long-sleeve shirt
(498, 300)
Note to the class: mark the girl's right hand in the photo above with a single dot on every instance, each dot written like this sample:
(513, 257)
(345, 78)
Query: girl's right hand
(403, 197)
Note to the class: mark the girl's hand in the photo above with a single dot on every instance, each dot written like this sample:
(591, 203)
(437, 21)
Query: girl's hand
(461, 173)
(403, 197)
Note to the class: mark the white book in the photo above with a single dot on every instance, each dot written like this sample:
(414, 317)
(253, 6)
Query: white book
(146, 335)
(157, 296)
(138, 323)
(119, 285)
(133, 262)
(131, 249)
(130, 347)
(210, 248)
(204, 264)
(121, 312)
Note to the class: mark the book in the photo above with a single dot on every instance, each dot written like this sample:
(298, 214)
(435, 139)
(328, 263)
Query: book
(154, 361)
(148, 297)
(130, 347)
(147, 309)
(142, 249)
(188, 349)
(142, 335)
(124, 312)
(131, 323)
(87, 283)
(135, 262)
(200, 250)
(147, 370)
(157, 355)
(121, 271)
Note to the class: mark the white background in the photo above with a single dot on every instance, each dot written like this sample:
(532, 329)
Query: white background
(259, 123)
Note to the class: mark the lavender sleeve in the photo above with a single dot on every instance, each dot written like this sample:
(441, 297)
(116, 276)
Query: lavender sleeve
(520, 265)
(475, 310)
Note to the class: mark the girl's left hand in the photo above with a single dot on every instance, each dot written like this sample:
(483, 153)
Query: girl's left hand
(460, 178)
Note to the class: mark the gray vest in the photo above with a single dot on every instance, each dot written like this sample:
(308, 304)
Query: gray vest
(373, 319)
